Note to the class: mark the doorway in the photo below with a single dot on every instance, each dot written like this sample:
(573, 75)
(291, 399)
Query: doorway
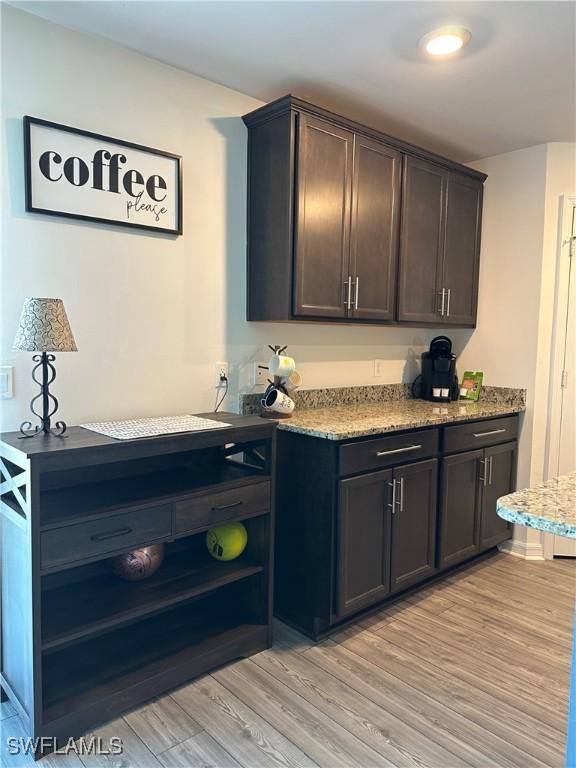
(561, 447)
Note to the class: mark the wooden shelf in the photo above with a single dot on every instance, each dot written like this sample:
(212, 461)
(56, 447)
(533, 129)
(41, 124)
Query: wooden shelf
(158, 653)
(81, 502)
(98, 605)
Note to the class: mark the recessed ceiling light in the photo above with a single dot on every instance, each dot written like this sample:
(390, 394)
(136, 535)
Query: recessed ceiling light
(443, 42)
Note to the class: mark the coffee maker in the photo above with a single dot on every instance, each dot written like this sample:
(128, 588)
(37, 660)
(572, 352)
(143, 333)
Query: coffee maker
(439, 381)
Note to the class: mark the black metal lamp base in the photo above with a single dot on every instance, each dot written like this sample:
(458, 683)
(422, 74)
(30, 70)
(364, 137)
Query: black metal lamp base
(49, 402)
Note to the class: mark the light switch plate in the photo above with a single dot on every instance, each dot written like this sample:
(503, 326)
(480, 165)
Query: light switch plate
(6, 382)
(378, 368)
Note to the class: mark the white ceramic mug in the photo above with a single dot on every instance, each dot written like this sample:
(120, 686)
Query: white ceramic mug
(281, 365)
(293, 381)
(276, 400)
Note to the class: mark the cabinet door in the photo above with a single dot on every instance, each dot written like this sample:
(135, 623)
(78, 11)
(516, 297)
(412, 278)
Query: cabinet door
(323, 196)
(363, 564)
(421, 241)
(375, 229)
(414, 524)
(500, 474)
(462, 249)
(460, 499)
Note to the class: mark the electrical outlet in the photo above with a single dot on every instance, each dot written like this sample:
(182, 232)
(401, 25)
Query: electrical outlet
(378, 368)
(260, 374)
(220, 374)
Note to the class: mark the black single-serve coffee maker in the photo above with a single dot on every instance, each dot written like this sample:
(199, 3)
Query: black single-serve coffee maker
(438, 381)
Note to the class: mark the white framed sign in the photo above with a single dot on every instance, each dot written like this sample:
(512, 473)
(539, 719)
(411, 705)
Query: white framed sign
(84, 175)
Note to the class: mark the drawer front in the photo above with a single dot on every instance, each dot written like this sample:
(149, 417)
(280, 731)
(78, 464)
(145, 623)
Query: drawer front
(214, 508)
(100, 537)
(387, 451)
(478, 434)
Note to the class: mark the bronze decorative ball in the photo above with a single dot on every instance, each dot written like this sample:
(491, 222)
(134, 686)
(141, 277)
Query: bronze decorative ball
(138, 564)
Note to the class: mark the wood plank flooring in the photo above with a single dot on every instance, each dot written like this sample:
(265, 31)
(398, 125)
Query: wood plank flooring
(473, 671)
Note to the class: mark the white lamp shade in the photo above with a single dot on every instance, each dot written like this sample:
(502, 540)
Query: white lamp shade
(44, 327)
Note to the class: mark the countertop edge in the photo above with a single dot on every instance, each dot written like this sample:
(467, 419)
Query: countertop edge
(539, 523)
(441, 420)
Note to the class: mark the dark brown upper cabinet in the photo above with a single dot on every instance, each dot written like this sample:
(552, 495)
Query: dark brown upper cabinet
(347, 224)
(375, 228)
(322, 205)
(439, 245)
(422, 241)
(461, 261)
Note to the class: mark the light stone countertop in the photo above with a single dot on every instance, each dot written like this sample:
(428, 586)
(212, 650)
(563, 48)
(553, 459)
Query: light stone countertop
(341, 422)
(549, 507)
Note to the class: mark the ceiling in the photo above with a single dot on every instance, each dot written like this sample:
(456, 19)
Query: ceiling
(512, 87)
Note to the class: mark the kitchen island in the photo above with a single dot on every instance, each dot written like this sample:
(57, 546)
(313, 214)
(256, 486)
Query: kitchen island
(548, 507)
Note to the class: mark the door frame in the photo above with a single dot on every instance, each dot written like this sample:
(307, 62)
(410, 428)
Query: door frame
(561, 291)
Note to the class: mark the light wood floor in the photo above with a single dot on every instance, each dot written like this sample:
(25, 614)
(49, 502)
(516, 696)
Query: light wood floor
(471, 672)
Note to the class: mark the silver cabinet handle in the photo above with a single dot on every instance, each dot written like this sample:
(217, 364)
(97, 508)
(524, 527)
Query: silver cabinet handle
(348, 301)
(483, 477)
(398, 450)
(490, 432)
(448, 292)
(356, 294)
(401, 494)
(490, 458)
(393, 504)
(443, 294)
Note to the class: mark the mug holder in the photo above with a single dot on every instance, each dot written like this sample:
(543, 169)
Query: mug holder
(277, 383)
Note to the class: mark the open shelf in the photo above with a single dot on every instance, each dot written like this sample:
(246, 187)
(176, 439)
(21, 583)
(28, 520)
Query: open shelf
(155, 654)
(93, 606)
(80, 502)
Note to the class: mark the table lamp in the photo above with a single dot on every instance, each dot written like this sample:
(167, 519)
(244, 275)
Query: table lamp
(44, 328)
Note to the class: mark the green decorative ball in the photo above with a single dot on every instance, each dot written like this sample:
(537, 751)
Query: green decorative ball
(227, 542)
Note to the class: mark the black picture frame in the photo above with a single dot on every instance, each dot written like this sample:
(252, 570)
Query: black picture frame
(29, 121)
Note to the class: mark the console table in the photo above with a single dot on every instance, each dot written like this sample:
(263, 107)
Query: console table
(79, 645)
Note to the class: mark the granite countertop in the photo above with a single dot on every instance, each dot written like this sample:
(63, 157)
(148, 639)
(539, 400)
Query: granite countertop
(549, 507)
(340, 422)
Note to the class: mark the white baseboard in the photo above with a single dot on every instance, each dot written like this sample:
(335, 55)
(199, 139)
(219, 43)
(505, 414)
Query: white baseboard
(527, 550)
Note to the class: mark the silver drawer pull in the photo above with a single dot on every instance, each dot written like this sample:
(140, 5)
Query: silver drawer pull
(491, 432)
(227, 506)
(399, 450)
(348, 296)
(392, 505)
(111, 534)
(483, 477)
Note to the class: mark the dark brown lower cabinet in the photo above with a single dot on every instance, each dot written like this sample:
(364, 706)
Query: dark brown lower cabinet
(413, 553)
(364, 522)
(361, 521)
(498, 480)
(460, 505)
(470, 485)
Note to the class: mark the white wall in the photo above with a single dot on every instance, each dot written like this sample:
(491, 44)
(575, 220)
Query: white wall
(151, 313)
(504, 345)
(513, 340)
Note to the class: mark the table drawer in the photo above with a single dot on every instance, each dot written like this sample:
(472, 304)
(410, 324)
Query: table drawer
(214, 508)
(81, 541)
(478, 434)
(387, 451)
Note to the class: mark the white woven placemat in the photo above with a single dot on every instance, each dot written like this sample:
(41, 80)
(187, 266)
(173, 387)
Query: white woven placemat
(163, 425)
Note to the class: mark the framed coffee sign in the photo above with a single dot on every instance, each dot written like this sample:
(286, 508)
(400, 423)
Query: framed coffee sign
(84, 175)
